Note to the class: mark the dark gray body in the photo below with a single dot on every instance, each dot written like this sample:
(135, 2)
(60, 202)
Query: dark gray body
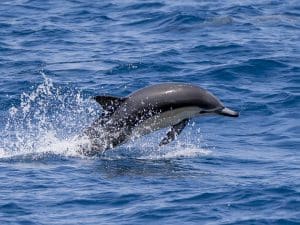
(149, 109)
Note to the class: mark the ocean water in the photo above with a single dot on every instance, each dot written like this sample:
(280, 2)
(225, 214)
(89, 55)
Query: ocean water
(55, 55)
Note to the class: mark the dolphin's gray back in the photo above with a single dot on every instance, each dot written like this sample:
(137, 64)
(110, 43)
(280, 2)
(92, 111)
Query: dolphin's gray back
(176, 95)
(159, 98)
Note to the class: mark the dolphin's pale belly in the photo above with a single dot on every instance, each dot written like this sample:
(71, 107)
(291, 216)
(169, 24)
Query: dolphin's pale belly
(165, 119)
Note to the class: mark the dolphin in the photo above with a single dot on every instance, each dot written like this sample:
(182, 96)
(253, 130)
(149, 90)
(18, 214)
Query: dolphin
(149, 109)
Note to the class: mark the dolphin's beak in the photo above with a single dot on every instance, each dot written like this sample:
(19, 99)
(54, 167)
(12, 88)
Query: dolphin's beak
(227, 112)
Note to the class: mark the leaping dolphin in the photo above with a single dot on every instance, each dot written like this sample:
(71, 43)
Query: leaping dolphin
(150, 109)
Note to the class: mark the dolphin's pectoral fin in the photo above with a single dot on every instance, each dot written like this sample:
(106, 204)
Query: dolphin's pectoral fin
(174, 132)
(109, 103)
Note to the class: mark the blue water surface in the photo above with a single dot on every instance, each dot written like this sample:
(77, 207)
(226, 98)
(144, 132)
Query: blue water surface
(55, 55)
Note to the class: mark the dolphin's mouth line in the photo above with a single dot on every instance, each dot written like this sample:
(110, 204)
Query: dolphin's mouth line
(210, 111)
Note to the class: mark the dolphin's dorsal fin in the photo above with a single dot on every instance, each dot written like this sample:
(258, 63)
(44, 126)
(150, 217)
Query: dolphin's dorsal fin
(109, 103)
(174, 132)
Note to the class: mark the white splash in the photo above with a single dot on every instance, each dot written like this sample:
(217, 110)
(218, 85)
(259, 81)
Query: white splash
(187, 151)
(48, 120)
(188, 145)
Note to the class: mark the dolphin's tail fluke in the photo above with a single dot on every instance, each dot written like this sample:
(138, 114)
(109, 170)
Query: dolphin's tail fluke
(227, 112)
